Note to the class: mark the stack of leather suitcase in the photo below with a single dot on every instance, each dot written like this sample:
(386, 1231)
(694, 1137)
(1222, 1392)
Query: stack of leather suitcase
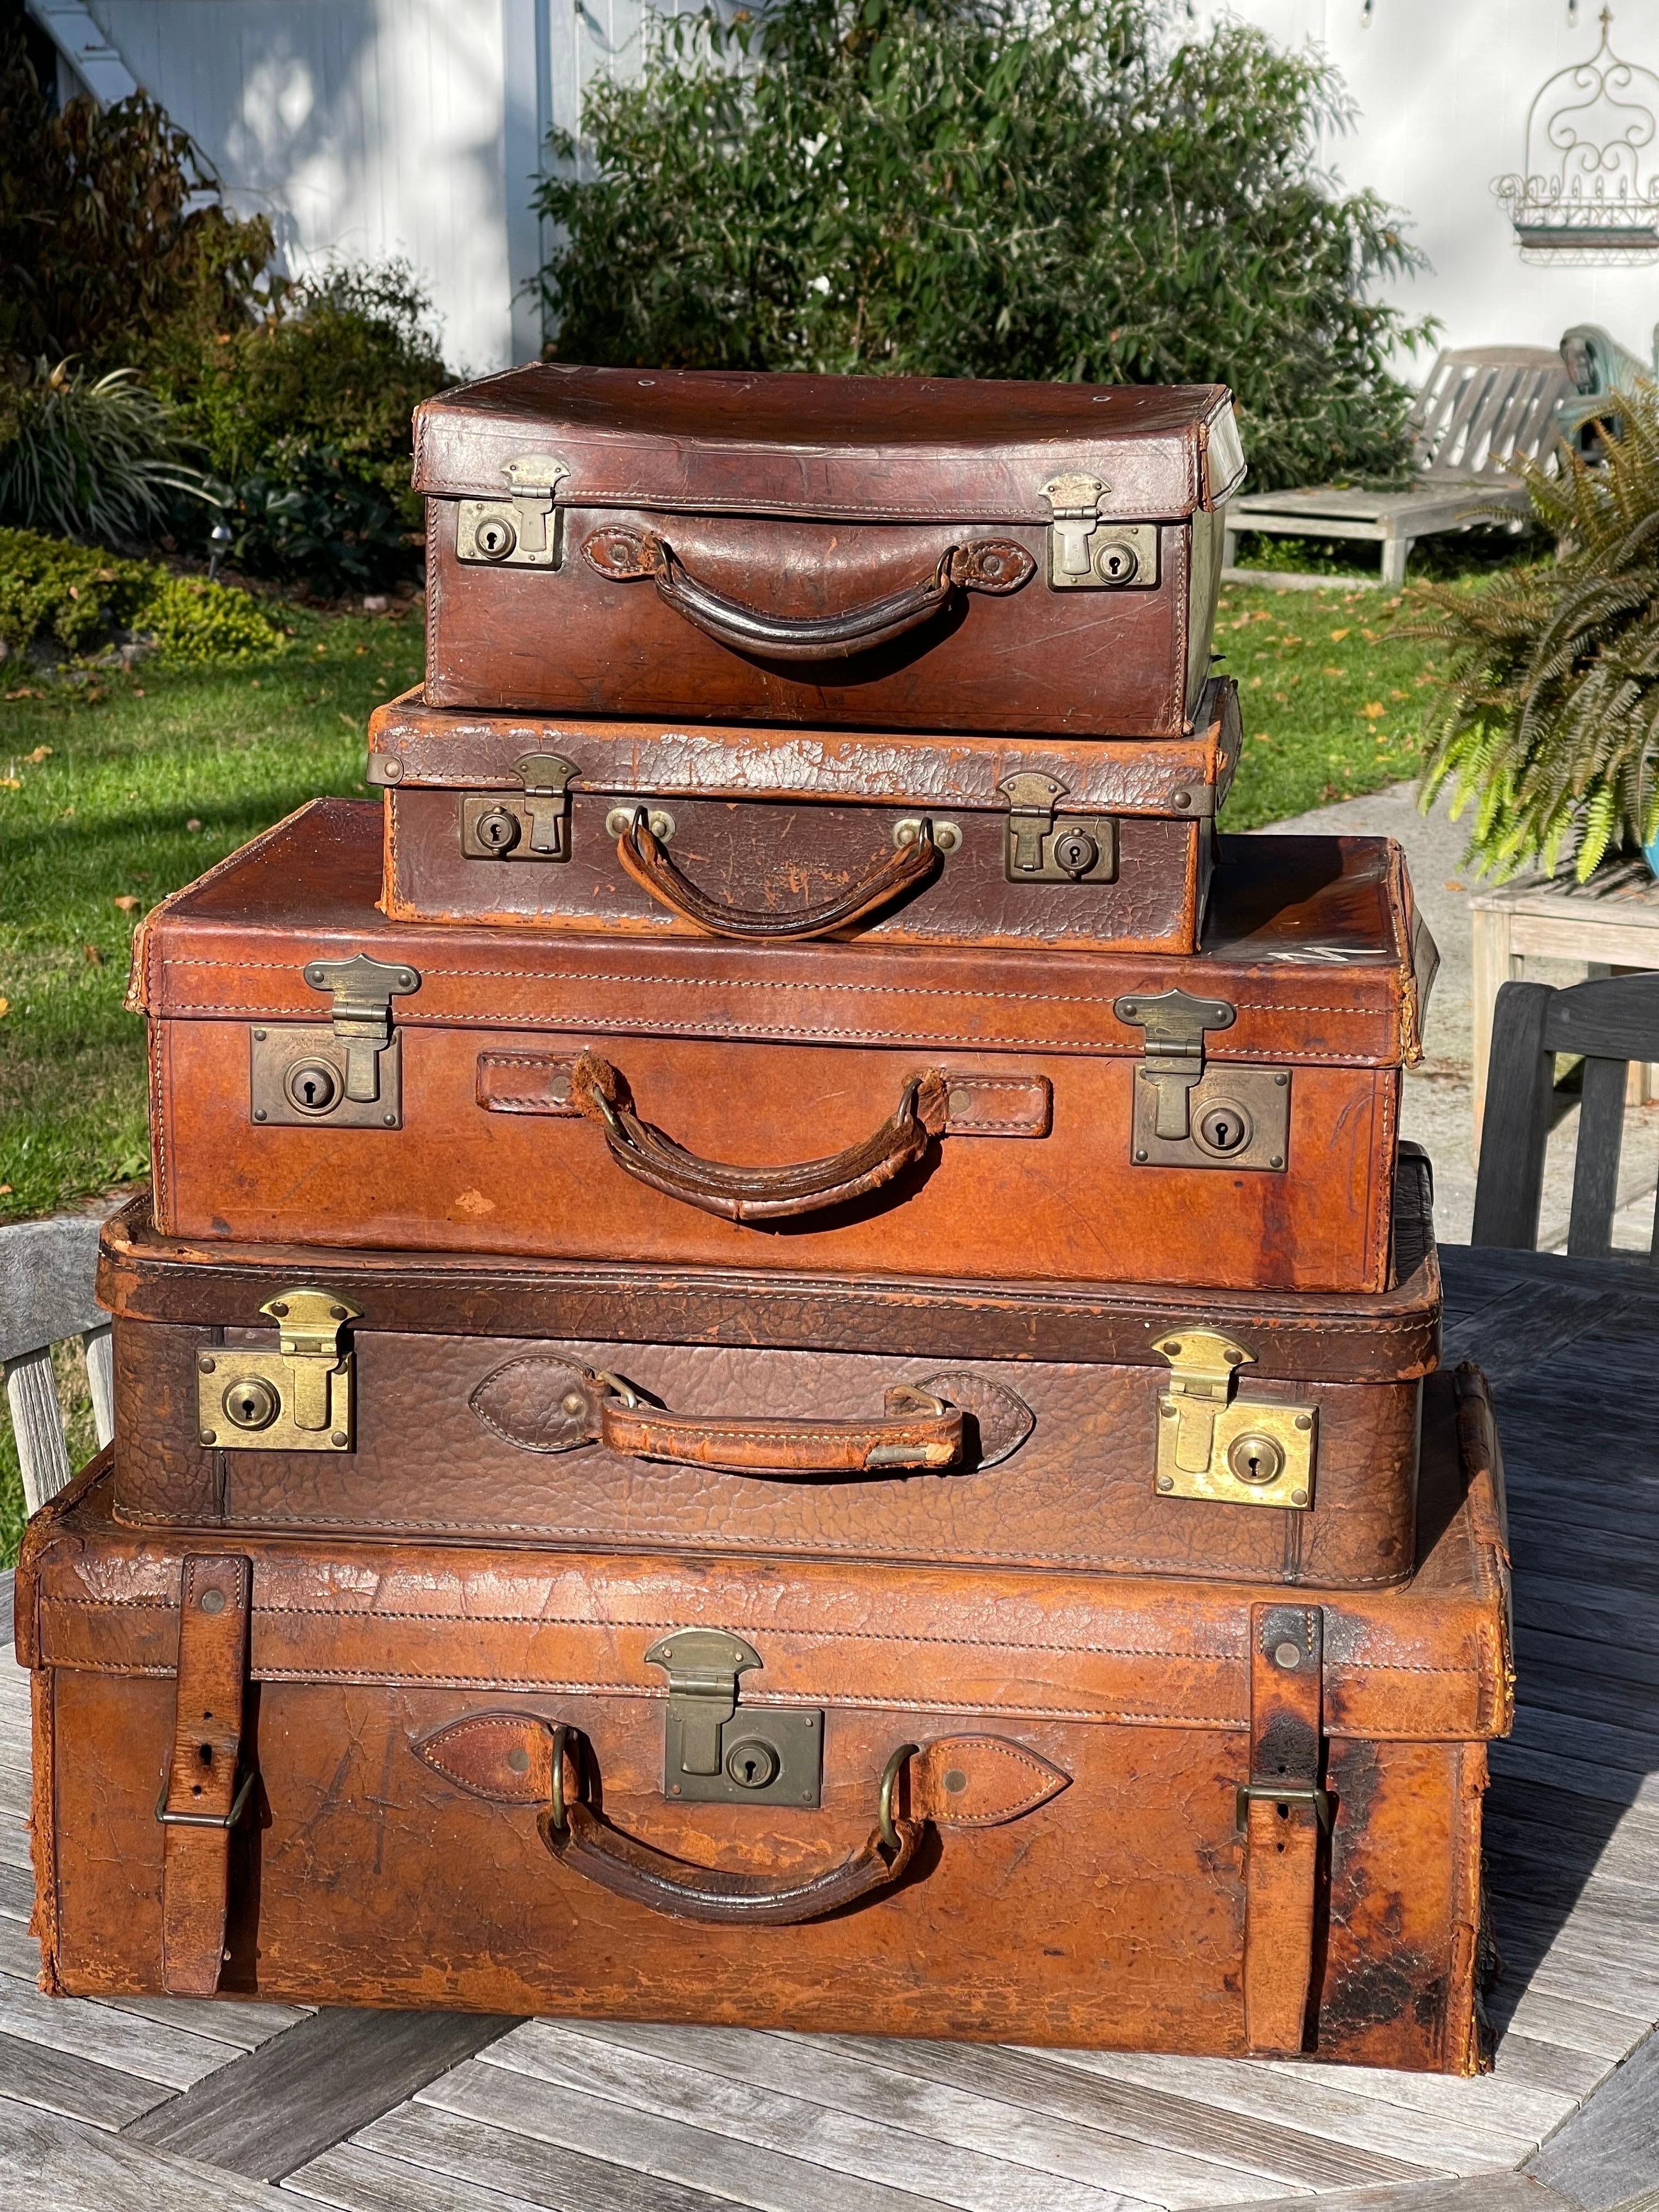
(782, 1369)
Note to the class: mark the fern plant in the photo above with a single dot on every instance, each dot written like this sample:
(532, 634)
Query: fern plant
(1548, 719)
(99, 459)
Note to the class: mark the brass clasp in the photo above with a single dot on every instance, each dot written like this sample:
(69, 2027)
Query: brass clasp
(1230, 1450)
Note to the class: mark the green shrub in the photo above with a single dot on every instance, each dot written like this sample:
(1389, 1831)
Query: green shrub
(97, 457)
(1548, 719)
(988, 188)
(77, 599)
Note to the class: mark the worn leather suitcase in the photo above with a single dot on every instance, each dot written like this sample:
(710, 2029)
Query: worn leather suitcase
(781, 836)
(880, 552)
(975, 1802)
(1268, 1435)
(323, 1076)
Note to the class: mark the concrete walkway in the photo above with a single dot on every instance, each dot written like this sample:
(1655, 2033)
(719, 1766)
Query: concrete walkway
(1438, 1110)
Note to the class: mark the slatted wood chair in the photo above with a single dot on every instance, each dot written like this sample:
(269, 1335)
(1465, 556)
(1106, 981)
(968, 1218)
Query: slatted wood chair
(1611, 1021)
(46, 1270)
(1478, 406)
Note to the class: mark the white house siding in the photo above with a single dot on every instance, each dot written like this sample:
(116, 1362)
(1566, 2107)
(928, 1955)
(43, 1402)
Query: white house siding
(1443, 88)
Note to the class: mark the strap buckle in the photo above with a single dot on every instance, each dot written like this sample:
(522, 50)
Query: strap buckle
(1271, 1793)
(239, 1803)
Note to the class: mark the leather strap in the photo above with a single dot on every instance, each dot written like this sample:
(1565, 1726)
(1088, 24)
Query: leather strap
(647, 859)
(919, 1431)
(204, 1793)
(1282, 1811)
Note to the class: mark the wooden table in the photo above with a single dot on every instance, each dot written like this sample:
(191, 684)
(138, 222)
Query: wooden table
(1612, 921)
(166, 2106)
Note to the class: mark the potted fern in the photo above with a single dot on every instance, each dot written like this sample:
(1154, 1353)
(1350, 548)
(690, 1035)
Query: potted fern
(1548, 716)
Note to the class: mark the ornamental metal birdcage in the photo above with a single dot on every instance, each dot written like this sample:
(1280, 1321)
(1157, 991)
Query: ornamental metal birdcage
(1588, 193)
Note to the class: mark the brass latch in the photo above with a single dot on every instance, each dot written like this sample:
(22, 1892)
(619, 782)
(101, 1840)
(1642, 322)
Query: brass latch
(298, 1398)
(1045, 847)
(714, 1754)
(524, 530)
(1234, 1451)
(1087, 554)
(362, 991)
(348, 1072)
(539, 828)
(1174, 1024)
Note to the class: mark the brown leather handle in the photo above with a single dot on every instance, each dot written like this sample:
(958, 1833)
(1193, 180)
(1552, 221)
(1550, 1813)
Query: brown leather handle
(645, 859)
(989, 564)
(919, 1431)
(751, 1194)
(580, 1839)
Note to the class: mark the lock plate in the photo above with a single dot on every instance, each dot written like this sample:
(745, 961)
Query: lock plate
(1043, 845)
(298, 1079)
(300, 1397)
(524, 529)
(1237, 1117)
(1229, 1451)
(718, 1751)
(504, 827)
(1088, 554)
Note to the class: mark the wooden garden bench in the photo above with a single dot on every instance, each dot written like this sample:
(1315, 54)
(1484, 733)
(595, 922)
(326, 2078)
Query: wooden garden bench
(1479, 406)
(47, 1270)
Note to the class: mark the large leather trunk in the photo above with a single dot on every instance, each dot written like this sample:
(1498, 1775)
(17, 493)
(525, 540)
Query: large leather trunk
(878, 552)
(1072, 1431)
(1092, 1811)
(322, 1075)
(769, 834)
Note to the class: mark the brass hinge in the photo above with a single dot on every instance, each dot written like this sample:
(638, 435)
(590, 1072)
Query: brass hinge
(712, 1753)
(1175, 1023)
(537, 829)
(524, 530)
(298, 1398)
(1041, 847)
(1230, 1450)
(1086, 554)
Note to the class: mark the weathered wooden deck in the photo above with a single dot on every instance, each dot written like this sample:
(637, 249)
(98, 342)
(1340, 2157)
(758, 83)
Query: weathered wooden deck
(172, 2107)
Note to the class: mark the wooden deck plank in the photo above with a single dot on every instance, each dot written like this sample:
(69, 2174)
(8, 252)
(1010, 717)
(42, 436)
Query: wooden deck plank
(670, 2150)
(50, 2164)
(1155, 2118)
(458, 2155)
(795, 2123)
(113, 2039)
(275, 2108)
(869, 2081)
(78, 2088)
(1608, 2152)
(238, 2020)
(1599, 2030)
(355, 2180)
(1478, 2192)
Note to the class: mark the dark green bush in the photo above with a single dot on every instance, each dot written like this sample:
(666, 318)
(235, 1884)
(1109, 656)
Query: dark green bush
(99, 458)
(988, 188)
(75, 599)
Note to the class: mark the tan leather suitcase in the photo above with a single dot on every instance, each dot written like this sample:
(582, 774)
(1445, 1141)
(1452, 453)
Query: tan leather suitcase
(878, 552)
(1273, 1435)
(785, 835)
(323, 1076)
(1081, 1810)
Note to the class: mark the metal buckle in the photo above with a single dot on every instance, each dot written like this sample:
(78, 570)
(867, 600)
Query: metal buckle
(1267, 1793)
(206, 1820)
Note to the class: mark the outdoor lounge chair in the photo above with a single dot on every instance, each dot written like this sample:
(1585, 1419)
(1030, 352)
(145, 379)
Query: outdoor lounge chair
(1479, 405)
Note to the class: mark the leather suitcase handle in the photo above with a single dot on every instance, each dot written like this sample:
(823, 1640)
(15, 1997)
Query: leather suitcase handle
(647, 860)
(919, 1431)
(580, 1839)
(989, 564)
(751, 1194)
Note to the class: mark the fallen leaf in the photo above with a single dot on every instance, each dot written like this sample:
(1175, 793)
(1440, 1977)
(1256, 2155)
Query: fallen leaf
(25, 692)
(1372, 709)
(1452, 885)
(11, 783)
(40, 753)
(1337, 636)
(137, 690)
(5, 1008)
(126, 902)
(1396, 695)
(1329, 671)
(5, 1190)
(92, 956)
(194, 824)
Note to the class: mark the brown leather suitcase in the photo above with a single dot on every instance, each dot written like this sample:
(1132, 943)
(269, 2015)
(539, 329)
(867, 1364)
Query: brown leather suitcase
(1268, 1435)
(881, 552)
(1042, 1809)
(323, 1076)
(785, 836)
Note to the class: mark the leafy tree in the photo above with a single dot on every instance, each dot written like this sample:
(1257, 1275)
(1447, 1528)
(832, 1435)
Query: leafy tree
(1017, 188)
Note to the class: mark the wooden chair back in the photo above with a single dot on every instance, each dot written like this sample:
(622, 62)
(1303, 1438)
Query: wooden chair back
(46, 1272)
(1480, 405)
(1611, 1021)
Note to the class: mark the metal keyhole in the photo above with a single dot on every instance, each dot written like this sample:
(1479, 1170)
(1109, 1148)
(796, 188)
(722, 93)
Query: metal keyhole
(1224, 1127)
(498, 830)
(752, 1764)
(313, 1085)
(250, 1403)
(1256, 1459)
(495, 537)
(1115, 563)
(1075, 851)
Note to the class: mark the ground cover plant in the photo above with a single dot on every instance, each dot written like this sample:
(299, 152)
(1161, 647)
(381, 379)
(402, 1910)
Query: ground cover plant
(988, 188)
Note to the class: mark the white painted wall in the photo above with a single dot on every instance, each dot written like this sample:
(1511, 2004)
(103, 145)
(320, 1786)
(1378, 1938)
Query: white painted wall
(1444, 87)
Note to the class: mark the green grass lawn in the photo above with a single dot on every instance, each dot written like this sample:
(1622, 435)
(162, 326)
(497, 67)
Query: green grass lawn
(116, 788)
